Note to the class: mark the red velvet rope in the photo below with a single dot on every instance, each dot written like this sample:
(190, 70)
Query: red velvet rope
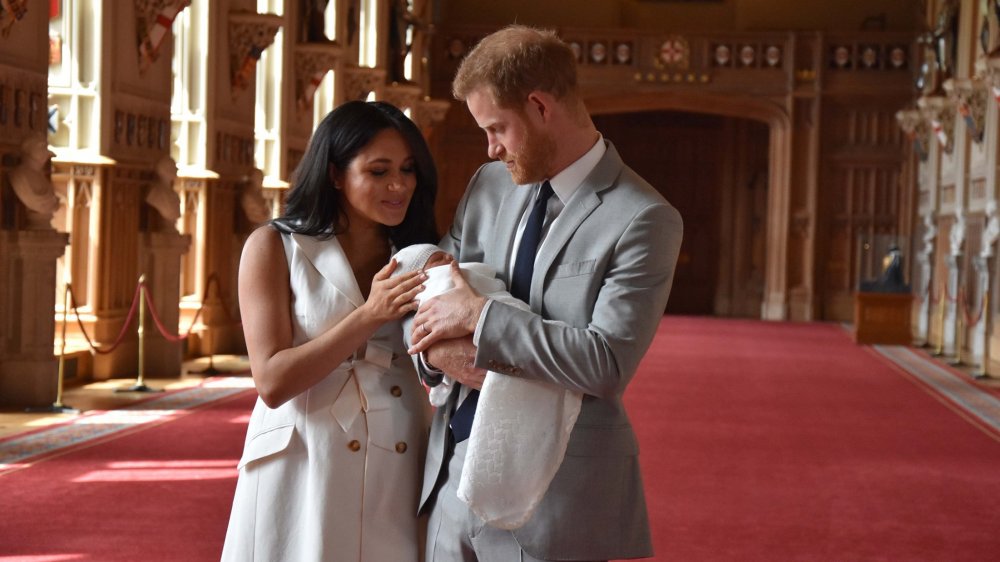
(212, 279)
(121, 335)
(969, 320)
(160, 327)
(159, 324)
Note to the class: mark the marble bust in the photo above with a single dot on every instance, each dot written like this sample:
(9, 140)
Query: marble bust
(161, 195)
(32, 185)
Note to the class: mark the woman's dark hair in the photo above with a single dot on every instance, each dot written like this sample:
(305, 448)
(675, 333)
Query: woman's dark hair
(313, 207)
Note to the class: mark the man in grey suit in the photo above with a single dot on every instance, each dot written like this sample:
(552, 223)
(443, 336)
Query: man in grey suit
(595, 262)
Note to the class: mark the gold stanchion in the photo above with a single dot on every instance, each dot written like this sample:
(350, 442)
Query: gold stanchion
(58, 406)
(981, 373)
(140, 385)
(940, 346)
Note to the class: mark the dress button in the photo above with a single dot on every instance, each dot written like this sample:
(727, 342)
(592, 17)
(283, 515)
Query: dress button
(355, 445)
(400, 447)
(396, 391)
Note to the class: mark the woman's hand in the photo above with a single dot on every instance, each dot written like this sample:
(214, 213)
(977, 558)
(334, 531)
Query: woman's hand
(392, 297)
(452, 314)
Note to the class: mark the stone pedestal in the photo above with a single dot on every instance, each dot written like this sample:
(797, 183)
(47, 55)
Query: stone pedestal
(28, 366)
(882, 318)
(160, 259)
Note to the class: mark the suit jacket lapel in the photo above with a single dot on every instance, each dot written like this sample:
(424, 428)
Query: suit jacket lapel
(331, 262)
(580, 205)
(508, 217)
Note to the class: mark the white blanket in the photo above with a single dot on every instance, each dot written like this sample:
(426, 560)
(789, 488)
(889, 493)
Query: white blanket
(521, 428)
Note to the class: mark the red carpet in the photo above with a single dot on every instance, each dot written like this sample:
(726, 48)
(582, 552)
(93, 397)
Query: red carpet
(760, 442)
(157, 494)
(775, 442)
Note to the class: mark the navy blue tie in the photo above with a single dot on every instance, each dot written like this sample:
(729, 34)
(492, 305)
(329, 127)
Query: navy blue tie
(520, 287)
(524, 263)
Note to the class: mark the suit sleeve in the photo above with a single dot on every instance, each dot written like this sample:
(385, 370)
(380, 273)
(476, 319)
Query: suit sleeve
(428, 376)
(601, 358)
(452, 240)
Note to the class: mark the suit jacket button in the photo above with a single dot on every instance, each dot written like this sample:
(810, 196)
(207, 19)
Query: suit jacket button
(354, 445)
(396, 391)
(401, 447)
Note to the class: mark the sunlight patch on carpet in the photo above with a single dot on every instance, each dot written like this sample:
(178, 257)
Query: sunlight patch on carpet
(42, 558)
(95, 425)
(159, 474)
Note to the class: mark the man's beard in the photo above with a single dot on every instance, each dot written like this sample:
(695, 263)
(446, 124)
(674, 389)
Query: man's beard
(532, 161)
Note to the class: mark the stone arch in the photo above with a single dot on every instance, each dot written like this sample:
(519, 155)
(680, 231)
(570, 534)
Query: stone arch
(766, 110)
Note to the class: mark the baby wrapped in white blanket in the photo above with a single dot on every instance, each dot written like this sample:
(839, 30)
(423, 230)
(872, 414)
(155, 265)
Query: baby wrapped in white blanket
(522, 426)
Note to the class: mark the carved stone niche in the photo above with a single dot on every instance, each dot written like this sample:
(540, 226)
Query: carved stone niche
(914, 124)
(249, 34)
(427, 113)
(360, 81)
(940, 113)
(312, 62)
(969, 97)
(403, 96)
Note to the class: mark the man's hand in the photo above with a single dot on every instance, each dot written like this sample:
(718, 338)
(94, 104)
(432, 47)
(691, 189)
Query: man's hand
(453, 314)
(457, 358)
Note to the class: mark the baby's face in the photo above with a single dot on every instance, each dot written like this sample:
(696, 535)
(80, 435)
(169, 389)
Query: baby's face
(438, 258)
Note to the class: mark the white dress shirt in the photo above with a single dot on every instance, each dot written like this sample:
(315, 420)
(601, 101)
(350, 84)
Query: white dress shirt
(564, 185)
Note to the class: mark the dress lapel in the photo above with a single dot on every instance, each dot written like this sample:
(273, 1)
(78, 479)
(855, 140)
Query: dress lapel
(329, 259)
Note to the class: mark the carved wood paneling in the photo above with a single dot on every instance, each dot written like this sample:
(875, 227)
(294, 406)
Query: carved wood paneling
(850, 108)
(977, 189)
(23, 104)
(688, 171)
(861, 197)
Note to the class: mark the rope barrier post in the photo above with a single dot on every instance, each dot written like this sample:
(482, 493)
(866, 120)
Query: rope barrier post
(140, 385)
(58, 407)
(940, 314)
(981, 373)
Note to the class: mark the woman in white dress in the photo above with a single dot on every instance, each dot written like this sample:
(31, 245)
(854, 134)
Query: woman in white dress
(333, 456)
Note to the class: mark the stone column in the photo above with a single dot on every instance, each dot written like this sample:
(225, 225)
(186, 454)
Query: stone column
(802, 227)
(27, 364)
(991, 72)
(925, 287)
(29, 247)
(114, 268)
(940, 114)
(915, 127)
(242, 36)
(160, 260)
(977, 335)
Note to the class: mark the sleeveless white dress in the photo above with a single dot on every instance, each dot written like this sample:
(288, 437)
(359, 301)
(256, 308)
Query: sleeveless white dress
(333, 475)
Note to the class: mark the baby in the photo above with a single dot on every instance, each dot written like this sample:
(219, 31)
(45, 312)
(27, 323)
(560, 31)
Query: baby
(434, 262)
(522, 426)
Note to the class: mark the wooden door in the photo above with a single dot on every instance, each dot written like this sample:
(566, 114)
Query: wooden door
(678, 153)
